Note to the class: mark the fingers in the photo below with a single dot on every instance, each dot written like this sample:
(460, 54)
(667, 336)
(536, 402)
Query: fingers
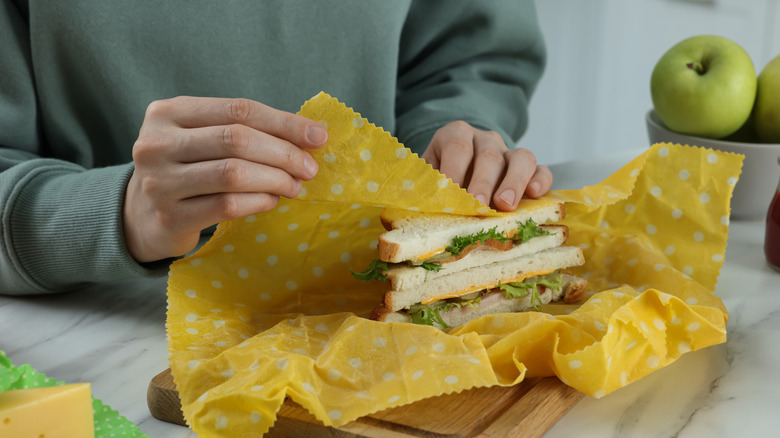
(202, 211)
(200, 161)
(174, 229)
(239, 141)
(234, 176)
(196, 112)
(481, 162)
(452, 148)
(521, 165)
(540, 183)
(489, 165)
(520, 179)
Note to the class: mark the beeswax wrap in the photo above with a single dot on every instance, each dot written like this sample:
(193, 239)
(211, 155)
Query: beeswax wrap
(267, 308)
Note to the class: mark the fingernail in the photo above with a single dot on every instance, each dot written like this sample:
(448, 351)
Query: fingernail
(310, 166)
(508, 196)
(482, 199)
(535, 187)
(316, 134)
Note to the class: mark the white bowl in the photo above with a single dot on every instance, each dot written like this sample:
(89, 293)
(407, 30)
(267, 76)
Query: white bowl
(760, 169)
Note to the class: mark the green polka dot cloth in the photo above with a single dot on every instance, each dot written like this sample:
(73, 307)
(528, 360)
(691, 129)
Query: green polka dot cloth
(108, 422)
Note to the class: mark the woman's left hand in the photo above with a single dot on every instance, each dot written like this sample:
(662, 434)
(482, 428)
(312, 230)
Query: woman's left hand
(480, 162)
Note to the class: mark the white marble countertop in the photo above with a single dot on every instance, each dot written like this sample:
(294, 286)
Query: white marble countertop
(114, 337)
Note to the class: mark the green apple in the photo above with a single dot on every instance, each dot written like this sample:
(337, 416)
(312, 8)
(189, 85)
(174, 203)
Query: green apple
(704, 86)
(745, 134)
(766, 113)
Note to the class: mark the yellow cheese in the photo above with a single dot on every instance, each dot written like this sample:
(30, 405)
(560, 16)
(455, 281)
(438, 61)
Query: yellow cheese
(52, 412)
(469, 290)
(429, 254)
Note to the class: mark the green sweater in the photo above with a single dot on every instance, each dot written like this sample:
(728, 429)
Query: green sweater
(76, 78)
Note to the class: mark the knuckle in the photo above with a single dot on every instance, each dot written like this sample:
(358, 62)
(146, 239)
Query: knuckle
(154, 109)
(292, 124)
(159, 108)
(150, 186)
(494, 136)
(481, 183)
(234, 137)
(239, 110)
(150, 146)
(524, 155)
(267, 202)
(286, 185)
(142, 149)
(229, 205)
(290, 158)
(459, 125)
(294, 188)
(228, 135)
(232, 173)
(492, 156)
(461, 146)
(146, 150)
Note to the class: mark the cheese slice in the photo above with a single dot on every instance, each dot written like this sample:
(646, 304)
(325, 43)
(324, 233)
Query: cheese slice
(430, 254)
(469, 290)
(51, 412)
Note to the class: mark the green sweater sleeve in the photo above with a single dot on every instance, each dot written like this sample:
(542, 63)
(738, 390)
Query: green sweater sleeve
(477, 61)
(67, 125)
(60, 224)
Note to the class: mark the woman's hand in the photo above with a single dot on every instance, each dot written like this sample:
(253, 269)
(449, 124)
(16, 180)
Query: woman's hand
(200, 161)
(480, 162)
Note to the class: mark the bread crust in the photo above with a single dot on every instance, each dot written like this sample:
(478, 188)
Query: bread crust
(387, 250)
(387, 224)
(381, 314)
(575, 289)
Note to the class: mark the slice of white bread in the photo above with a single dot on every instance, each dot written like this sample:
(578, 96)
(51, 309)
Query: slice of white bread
(495, 302)
(486, 276)
(407, 277)
(413, 234)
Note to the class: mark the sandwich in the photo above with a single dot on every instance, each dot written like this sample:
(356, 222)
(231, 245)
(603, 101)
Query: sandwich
(445, 270)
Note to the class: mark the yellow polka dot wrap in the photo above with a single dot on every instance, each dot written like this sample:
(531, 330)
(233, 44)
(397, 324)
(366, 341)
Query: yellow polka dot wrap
(267, 308)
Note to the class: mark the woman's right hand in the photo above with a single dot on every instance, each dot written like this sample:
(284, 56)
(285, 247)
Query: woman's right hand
(200, 161)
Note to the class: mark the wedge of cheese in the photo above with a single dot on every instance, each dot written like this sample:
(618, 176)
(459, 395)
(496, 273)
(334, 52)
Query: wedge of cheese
(51, 412)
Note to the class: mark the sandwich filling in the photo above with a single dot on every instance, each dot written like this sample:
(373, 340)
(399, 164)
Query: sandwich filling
(431, 313)
(463, 292)
(459, 247)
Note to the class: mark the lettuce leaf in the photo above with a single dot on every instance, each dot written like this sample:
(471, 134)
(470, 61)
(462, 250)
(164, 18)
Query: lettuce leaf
(427, 315)
(430, 313)
(377, 268)
(375, 271)
(461, 242)
(529, 230)
(429, 266)
(531, 286)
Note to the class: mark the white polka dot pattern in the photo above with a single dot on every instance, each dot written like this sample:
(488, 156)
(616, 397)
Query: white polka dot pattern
(285, 302)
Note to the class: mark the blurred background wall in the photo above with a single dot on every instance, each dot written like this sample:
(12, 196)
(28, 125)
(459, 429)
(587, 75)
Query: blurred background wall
(595, 91)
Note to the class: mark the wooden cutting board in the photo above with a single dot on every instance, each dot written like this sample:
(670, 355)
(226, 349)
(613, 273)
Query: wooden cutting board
(528, 409)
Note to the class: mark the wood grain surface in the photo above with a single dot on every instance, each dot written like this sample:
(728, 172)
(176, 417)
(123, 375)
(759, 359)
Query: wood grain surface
(528, 409)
